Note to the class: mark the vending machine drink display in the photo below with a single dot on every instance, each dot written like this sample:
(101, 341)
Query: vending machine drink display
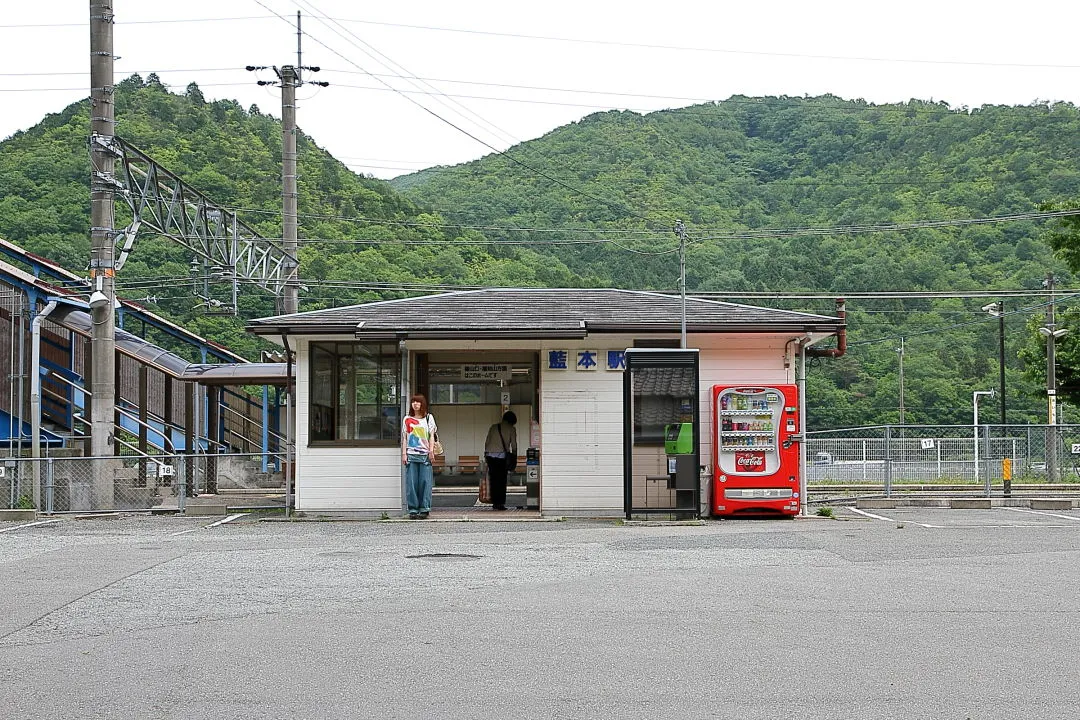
(755, 461)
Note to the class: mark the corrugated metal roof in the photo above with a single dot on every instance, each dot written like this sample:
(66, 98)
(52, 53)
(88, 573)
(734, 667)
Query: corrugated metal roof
(541, 312)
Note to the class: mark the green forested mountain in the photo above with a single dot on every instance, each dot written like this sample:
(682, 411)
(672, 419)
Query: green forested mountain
(593, 203)
(744, 173)
(233, 156)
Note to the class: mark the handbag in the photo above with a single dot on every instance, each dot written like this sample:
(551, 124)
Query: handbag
(511, 459)
(436, 445)
(485, 489)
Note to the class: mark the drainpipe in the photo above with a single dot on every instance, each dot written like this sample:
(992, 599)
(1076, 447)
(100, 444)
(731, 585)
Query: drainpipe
(800, 381)
(841, 335)
(288, 421)
(35, 397)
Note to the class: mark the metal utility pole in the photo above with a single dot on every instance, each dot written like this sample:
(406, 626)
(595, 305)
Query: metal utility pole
(102, 238)
(680, 230)
(289, 79)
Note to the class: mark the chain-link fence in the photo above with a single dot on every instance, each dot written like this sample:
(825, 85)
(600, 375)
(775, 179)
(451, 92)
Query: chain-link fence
(963, 455)
(160, 482)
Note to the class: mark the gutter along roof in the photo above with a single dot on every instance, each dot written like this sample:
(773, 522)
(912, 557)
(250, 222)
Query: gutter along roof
(541, 313)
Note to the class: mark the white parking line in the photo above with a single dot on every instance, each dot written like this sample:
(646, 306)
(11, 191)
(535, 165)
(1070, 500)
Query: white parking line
(27, 525)
(1040, 512)
(888, 519)
(870, 515)
(184, 532)
(226, 520)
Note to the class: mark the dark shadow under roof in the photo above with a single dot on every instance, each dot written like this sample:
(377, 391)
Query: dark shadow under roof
(541, 313)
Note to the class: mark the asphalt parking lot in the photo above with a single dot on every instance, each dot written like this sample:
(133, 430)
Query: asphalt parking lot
(900, 613)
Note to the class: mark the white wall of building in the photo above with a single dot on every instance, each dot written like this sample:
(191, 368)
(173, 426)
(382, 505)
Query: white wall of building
(582, 422)
(340, 478)
(581, 425)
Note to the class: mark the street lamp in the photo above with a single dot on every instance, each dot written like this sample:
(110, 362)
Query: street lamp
(1051, 334)
(975, 404)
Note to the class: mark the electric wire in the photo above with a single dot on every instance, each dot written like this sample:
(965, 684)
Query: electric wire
(754, 53)
(1058, 299)
(509, 156)
(589, 41)
(404, 73)
(716, 234)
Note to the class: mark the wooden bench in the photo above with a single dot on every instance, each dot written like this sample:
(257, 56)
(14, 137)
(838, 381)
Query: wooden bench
(468, 464)
(438, 464)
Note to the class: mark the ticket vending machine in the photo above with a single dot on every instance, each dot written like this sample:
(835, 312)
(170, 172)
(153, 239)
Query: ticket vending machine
(532, 478)
(755, 450)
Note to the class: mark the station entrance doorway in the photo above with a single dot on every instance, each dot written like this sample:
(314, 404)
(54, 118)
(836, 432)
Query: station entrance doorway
(467, 393)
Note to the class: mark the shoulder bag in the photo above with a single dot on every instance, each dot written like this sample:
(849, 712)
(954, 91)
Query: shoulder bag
(436, 445)
(511, 459)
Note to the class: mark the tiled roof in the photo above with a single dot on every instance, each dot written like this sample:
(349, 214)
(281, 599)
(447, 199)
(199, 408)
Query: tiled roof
(528, 312)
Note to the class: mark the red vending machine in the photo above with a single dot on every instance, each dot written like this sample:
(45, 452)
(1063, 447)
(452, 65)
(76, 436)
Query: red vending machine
(755, 465)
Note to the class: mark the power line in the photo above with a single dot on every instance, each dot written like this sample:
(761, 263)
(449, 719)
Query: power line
(138, 22)
(506, 154)
(588, 41)
(726, 51)
(719, 235)
(403, 73)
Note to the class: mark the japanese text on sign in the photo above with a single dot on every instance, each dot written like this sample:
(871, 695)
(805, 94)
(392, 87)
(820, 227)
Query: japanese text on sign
(586, 359)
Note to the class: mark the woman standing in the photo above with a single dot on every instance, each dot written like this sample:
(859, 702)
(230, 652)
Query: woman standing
(500, 449)
(417, 450)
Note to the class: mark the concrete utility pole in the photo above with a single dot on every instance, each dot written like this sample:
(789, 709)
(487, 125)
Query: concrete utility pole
(289, 78)
(102, 244)
(1051, 332)
(900, 351)
(680, 230)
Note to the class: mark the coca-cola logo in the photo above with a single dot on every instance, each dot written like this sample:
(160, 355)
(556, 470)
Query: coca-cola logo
(750, 461)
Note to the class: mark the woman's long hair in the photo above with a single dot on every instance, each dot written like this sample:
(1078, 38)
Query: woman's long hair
(423, 404)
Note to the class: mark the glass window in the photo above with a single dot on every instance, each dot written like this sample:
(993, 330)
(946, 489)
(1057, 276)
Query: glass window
(354, 394)
(662, 396)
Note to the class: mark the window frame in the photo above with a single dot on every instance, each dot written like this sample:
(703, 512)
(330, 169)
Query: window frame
(344, 376)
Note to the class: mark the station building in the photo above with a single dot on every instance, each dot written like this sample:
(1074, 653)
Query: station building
(556, 357)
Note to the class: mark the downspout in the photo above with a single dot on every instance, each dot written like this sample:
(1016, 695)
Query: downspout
(800, 381)
(805, 350)
(35, 398)
(406, 408)
(288, 421)
(841, 335)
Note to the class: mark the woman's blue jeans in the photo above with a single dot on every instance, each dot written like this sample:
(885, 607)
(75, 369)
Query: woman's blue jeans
(418, 483)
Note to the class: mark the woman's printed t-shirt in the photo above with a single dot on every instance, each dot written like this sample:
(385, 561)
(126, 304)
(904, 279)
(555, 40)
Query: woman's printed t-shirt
(418, 432)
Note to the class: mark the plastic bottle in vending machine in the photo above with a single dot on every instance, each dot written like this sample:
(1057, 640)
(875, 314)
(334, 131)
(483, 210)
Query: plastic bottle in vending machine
(723, 401)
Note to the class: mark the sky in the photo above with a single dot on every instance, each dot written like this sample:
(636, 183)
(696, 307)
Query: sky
(419, 83)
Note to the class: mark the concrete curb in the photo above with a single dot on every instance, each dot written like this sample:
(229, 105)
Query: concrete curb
(17, 515)
(970, 503)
